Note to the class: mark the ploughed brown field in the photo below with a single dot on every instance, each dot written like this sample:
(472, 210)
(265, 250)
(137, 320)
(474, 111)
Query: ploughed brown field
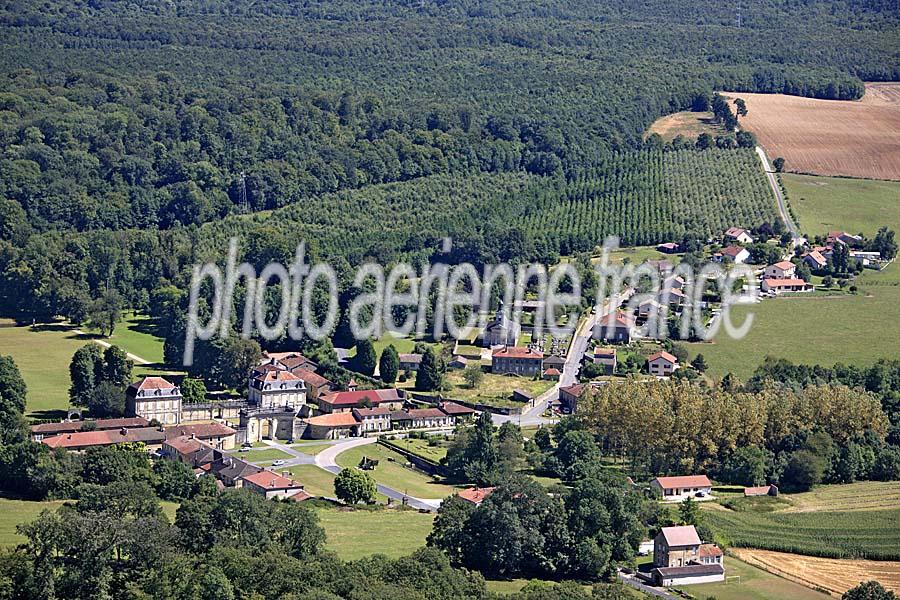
(832, 574)
(830, 137)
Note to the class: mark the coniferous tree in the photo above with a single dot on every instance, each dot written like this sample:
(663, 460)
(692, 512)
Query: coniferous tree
(389, 364)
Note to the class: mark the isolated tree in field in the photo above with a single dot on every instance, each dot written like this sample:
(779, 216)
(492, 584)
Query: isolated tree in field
(389, 364)
(473, 375)
(105, 312)
(428, 377)
(869, 590)
(699, 363)
(741, 107)
(353, 486)
(366, 358)
(193, 390)
(778, 163)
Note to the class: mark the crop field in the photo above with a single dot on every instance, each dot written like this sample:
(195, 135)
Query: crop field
(803, 329)
(861, 139)
(686, 124)
(873, 534)
(862, 495)
(835, 575)
(825, 204)
(353, 534)
(754, 584)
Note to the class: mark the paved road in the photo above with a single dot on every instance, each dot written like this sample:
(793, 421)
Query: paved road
(326, 459)
(776, 189)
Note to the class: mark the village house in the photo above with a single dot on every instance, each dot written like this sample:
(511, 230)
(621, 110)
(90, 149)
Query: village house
(663, 267)
(217, 435)
(551, 374)
(154, 398)
(570, 394)
(271, 485)
(460, 413)
(554, 362)
(681, 558)
(289, 361)
(336, 402)
(476, 495)
(606, 357)
(780, 286)
(780, 270)
(732, 254)
(681, 487)
(815, 260)
(332, 426)
(513, 360)
(410, 362)
(736, 234)
(865, 258)
(649, 308)
(620, 331)
(662, 364)
(190, 451)
(761, 490)
(45, 430)
(421, 418)
(81, 441)
(231, 471)
(316, 385)
(458, 362)
(842, 237)
(373, 419)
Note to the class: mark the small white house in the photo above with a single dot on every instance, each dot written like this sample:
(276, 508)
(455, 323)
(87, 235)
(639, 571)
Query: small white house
(815, 260)
(781, 270)
(736, 234)
(681, 487)
(781, 286)
(733, 254)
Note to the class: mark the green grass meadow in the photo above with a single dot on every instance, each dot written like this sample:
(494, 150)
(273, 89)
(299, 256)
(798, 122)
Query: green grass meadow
(353, 534)
(853, 329)
(826, 204)
(392, 472)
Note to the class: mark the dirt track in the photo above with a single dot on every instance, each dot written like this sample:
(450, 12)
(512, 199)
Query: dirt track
(830, 137)
(835, 575)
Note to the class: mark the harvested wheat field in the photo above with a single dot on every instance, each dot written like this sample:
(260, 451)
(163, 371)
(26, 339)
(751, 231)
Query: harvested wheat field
(835, 575)
(687, 124)
(830, 137)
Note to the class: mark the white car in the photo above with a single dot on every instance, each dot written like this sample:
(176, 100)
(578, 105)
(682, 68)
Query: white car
(277, 463)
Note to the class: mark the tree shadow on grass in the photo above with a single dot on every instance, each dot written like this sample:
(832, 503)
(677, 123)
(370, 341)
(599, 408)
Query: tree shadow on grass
(52, 414)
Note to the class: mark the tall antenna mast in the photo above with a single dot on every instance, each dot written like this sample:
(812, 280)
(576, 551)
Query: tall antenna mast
(244, 207)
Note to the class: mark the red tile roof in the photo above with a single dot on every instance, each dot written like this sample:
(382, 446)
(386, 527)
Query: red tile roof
(664, 355)
(184, 445)
(271, 481)
(376, 411)
(359, 397)
(90, 439)
(684, 481)
(426, 413)
(785, 265)
(312, 378)
(203, 431)
(551, 371)
(684, 535)
(710, 550)
(334, 420)
(452, 408)
(516, 352)
(152, 383)
(575, 389)
(761, 490)
(268, 375)
(733, 251)
(734, 231)
(476, 495)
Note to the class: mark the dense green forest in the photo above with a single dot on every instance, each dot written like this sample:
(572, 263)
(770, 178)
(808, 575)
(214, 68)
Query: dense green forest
(135, 134)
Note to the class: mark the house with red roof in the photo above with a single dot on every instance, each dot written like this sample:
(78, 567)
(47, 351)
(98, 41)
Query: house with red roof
(784, 269)
(476, 495)
(334, 402)
(80, 441)
(619, 328)
(154, 398)
(732, 254)
(216, 435)
(272, 387)
(815, 259)
(662, 364)
(781, 286)
(377, 418)
(271, 485)
(736, 234)
(459, 412)
(516, 360)
(44, 430)
(607, 357)
(680, 487)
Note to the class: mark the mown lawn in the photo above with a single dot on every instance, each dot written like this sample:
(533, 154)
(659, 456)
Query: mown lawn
(311, 448)
(391, 472)
(855, 329)
(353, 534)
(420, 447)
(259, 456)
(316, 481)
(826, 204)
